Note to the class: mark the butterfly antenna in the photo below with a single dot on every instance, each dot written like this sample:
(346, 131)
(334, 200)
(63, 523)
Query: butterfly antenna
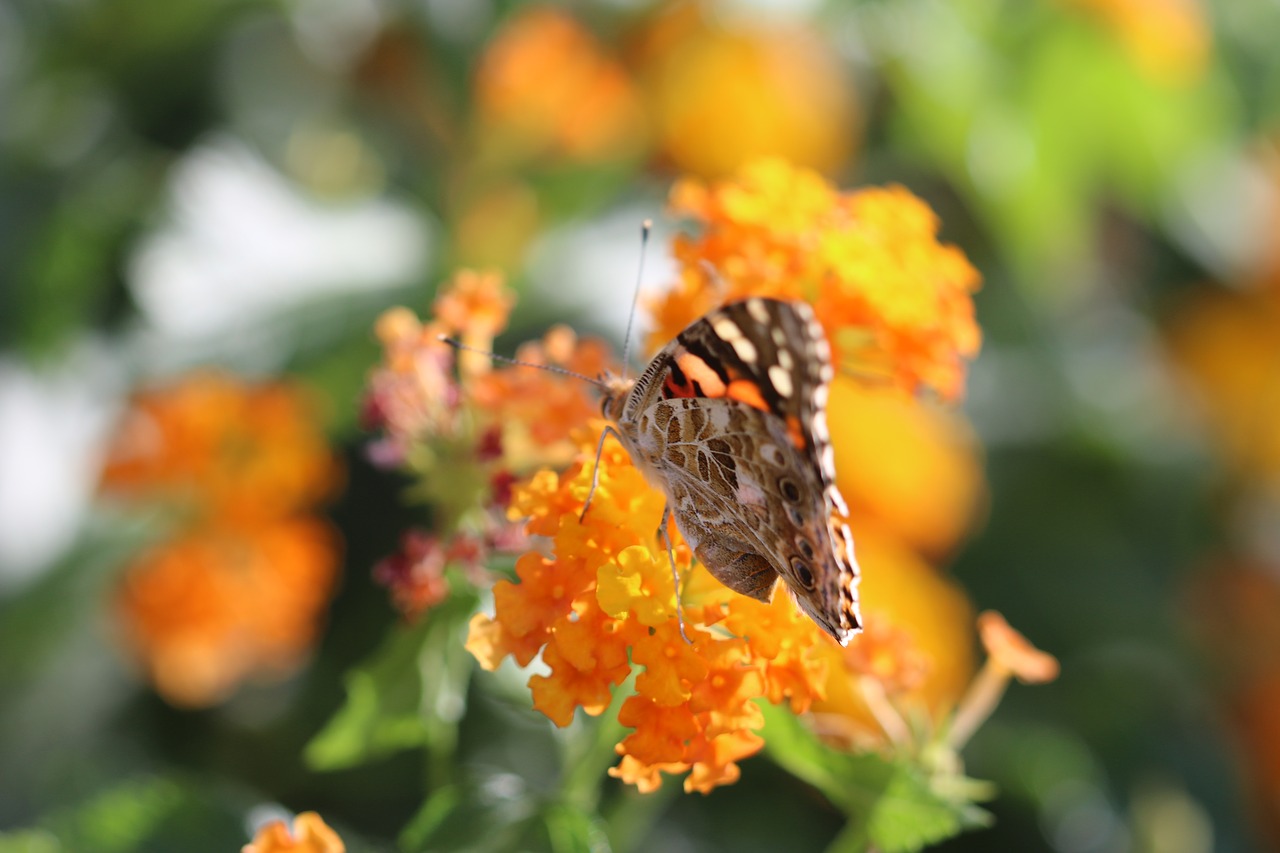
(550, 368)
(717, 279)
(645, 228)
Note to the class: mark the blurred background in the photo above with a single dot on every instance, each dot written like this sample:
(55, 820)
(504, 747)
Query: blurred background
(204, 207)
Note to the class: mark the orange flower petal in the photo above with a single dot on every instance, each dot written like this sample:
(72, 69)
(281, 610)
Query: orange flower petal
(1013, 652)
(310, 835)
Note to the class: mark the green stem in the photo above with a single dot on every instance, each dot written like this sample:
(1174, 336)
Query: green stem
(588, 757)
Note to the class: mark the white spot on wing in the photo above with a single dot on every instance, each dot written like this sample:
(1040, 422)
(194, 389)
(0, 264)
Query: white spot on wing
(781, 380)
(726, 329)
(743, 347)
(758, 310)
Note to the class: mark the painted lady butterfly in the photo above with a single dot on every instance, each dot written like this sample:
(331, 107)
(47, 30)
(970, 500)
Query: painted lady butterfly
(729, 421)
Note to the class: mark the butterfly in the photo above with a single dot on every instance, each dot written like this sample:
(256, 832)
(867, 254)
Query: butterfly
(729, 421)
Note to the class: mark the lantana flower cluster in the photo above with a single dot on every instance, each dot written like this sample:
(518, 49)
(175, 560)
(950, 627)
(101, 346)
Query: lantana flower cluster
(239, 586)
(465, 430)
(896, 304)
(593, 601)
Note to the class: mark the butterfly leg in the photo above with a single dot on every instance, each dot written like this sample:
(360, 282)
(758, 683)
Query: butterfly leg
(675, 575)
(595, 472)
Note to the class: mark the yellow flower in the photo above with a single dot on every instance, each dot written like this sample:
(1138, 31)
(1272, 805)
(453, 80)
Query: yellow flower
(310, 834)
(912, 466)
(722, 94)
(895, 302)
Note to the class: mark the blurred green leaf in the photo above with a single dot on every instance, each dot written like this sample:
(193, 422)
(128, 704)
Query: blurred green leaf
(893, 804)
(29, 841)
(1045, 130)
(409, 694)
(142, 814)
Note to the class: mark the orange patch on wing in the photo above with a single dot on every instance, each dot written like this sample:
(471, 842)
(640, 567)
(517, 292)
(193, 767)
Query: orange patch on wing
(698, 371)
(746, 391)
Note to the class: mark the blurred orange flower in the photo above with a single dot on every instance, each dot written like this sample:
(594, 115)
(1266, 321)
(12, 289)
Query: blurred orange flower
(1227, 346)
(206, 610)
(721, 94)
(545, 87)
(466, 428)
(310, 834)
(1234, 605)
(1169, 39)
(241, 587)
(913, 467)
(917, 647)
(895, 302)
(218, 447)
(539, 410)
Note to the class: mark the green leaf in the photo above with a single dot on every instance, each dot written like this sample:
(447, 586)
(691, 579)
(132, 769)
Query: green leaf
(793, 746)
(894, 803)
(411, 693)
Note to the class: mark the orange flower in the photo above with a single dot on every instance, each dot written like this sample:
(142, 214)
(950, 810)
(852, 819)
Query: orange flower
(546, 87)
(539, 410)
(721, 95)
(1009, 655)
(894, 302)
(601, 609)
(1012, 654)
(1226, 344)
(310, 835)
(240, 589)
(1169, 39)
(476, 306)
(219, 604)
(222, 448)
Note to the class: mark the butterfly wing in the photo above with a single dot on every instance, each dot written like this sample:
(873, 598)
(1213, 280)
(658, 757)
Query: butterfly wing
(730, 417)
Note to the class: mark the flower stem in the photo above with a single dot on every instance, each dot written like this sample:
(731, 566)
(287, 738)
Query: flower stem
(979, 701)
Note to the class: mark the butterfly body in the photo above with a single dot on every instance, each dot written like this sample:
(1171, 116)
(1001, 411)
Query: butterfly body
(729, 421)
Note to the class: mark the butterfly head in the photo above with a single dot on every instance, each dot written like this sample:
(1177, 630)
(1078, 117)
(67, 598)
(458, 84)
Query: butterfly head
(615, 392)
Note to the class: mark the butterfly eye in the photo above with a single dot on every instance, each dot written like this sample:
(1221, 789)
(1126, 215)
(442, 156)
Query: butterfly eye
(801, 569)
(789, 489)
